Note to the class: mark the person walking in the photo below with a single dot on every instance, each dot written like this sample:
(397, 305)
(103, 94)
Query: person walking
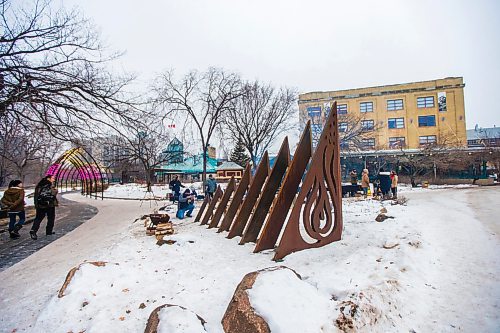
(175, 185)
(13, 199)
(394, 184)
(365, 182)
(45, 204)
(186, 204)
(211, 186)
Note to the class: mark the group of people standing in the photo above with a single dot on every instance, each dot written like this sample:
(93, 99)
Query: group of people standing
(187, 198)
(386, 182)
(45, 200)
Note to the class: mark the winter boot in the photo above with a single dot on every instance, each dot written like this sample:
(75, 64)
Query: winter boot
(33, 235)
(16, 229)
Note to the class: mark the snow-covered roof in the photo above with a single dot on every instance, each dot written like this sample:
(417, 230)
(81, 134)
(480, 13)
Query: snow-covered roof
(483, 133)
(193, 164)
(229, 166)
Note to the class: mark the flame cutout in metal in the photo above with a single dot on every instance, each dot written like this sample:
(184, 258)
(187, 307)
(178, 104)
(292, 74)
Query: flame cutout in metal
(320, 193)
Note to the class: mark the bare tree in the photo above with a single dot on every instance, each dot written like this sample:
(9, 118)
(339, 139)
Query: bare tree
(442, 155)
(259, 116)
(26, 150)
(354, 129)
(53, 71)
(140, 143)
(205, 98)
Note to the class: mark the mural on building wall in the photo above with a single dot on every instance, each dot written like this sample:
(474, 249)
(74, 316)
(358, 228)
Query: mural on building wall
(442, 101)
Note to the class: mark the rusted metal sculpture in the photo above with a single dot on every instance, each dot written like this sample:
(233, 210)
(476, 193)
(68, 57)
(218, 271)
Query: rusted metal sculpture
(223, 204)
(314, 214)
(237, 200)
(202, 209)
(211, 206)
(321, 192)
(284, 199)
(253, 194)
(268, 194)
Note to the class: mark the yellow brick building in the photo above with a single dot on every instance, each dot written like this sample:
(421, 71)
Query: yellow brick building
(405, 115)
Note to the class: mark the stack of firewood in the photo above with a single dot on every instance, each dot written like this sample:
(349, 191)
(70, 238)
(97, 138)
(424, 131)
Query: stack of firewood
(163, 229)
(158, 225)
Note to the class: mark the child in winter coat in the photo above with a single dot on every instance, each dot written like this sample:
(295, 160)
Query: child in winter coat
(13, 199)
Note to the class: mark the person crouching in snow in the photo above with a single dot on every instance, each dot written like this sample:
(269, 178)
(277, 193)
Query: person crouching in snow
(13, 199)
(394, 184)
(186, 204)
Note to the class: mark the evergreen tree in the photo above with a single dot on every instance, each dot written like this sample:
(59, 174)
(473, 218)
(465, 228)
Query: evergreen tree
(239, 155)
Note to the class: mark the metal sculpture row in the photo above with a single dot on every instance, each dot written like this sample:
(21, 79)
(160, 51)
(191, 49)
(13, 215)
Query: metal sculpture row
(260, 205)
(78, 167)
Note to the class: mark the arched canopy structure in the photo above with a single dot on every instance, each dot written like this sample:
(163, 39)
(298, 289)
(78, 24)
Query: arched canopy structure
(77, 167)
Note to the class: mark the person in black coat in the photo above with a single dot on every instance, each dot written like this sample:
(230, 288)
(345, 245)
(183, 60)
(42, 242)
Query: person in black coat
(175, 185)
(45, 204)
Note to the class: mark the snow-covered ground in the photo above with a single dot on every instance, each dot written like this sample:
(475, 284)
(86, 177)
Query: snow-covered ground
(137, 191)
(439, 272)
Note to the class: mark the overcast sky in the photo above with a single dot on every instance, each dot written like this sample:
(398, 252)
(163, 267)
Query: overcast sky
(313, 45)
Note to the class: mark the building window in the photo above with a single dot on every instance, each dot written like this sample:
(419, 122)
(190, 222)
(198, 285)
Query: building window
(314, 111)
(342, 127)
(367, 125)
(341, 108)
(394, 104)
(426, 121)
(425, 102)
(397, 142)
(368, 143)
(366, 107)
(396, 122)
(428, 139)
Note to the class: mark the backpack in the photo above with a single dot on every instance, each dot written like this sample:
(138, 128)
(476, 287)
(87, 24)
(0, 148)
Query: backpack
(45, 197)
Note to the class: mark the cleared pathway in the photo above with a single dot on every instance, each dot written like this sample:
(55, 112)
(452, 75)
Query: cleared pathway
(69, 215)
(28, 285)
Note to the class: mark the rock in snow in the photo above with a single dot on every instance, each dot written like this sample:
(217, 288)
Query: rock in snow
(240, 315)
(72, 272)
(277, 300)
(170, 318)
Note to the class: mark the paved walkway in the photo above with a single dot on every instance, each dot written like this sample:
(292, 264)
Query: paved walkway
(28, 285)
(69, 215)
